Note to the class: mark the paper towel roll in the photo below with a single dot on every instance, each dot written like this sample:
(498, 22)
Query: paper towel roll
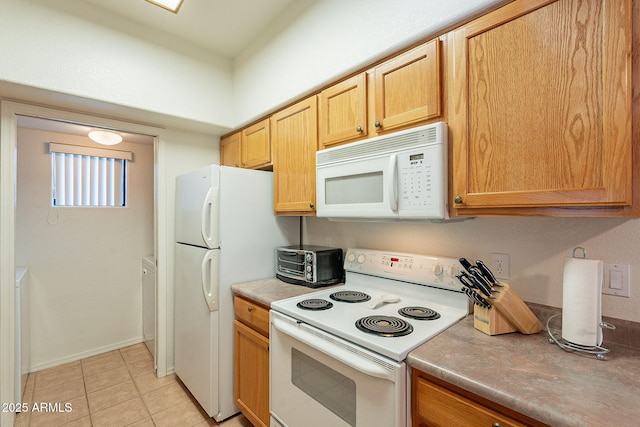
(582, 301)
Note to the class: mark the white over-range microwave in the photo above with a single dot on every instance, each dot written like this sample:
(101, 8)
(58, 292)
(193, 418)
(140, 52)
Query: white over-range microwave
(399, 176)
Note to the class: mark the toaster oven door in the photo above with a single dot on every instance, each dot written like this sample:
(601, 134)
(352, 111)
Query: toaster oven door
(291, 264)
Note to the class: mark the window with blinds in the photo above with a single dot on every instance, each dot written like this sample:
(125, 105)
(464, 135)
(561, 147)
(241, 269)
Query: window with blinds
(87, 176)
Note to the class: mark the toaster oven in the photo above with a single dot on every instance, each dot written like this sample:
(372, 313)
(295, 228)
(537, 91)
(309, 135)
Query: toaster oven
(309, 265)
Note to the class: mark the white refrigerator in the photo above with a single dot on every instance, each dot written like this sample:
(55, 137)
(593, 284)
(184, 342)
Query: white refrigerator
(226, 233)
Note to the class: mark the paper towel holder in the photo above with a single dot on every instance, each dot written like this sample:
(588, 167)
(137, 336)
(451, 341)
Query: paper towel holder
(555, 336)
(579, 248)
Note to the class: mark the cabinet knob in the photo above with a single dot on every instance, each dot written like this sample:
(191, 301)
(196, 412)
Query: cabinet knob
(359, 129)
(377, 124)
(457, 200)
(311, 205)
(250, 309)
(244, 164)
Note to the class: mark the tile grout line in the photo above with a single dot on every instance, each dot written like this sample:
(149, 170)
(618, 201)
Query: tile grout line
(137, 389)
(134, 363)
(86, 393)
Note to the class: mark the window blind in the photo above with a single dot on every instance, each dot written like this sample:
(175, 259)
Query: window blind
(86, 176)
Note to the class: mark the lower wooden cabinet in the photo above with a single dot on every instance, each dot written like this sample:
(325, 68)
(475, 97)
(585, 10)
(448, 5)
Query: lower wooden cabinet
(435, 403)
(251, 361)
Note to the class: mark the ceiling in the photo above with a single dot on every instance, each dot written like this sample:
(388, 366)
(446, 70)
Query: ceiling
(224, 27)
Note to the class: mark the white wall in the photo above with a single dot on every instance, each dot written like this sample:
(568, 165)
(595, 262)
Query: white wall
(537, 248)
(184, 152)
(69, 46)
(323, 40)
(84, 263)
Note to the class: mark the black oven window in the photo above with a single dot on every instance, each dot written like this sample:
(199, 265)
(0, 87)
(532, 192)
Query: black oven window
(326, 386)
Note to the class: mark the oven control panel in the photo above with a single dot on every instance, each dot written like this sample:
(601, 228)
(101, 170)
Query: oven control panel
(424, 269)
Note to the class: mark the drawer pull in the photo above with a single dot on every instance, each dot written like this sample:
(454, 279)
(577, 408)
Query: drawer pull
(250, 309)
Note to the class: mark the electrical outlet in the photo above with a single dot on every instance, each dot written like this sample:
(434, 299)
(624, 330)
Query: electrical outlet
(500, 265)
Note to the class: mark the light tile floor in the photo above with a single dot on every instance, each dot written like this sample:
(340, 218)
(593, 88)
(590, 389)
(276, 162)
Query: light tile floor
(112, 389)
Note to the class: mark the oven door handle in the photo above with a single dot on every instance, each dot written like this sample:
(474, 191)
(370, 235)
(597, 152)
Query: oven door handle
(335, 350)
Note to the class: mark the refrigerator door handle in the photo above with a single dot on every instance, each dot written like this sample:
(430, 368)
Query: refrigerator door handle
(210, 265)
(209, 225)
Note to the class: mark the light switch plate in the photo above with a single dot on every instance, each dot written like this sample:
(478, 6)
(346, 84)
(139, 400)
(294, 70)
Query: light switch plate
(616, 280)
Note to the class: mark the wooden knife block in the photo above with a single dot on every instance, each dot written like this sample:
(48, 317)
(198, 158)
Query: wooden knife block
(490, 321)
(508, 314)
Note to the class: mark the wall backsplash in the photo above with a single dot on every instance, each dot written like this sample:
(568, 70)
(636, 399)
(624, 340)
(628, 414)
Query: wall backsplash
(537, 247)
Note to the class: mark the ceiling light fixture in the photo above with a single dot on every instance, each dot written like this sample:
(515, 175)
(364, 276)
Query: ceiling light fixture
(170, 5)
(104, 137)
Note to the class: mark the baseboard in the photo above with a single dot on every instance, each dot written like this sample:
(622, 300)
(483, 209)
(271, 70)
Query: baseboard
(85, 354)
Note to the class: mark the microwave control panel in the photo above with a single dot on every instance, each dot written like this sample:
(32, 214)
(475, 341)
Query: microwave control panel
(420, 179)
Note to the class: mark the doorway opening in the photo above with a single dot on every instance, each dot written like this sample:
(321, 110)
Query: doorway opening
(20, 126)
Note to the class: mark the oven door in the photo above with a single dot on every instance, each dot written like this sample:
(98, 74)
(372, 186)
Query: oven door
(320, 380)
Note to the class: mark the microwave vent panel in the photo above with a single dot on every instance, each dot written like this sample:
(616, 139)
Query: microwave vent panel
(426, 135)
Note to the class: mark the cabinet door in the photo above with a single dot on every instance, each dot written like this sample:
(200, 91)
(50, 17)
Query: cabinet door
(342, 113)
(256, 145)
(230, 150)
(251, 374)
(407, 88)
(436, 406)
(295, 139)
(541, 108)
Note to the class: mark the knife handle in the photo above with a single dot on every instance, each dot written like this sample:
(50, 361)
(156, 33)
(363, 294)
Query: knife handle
(480, 282)
(465, 280)
(488, 274)
(476, 299)
(466, 264)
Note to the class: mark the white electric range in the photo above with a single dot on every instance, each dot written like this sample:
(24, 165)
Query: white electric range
(328, 368)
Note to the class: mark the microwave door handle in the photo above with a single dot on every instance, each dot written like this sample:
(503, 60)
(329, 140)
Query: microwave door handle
(392, 182)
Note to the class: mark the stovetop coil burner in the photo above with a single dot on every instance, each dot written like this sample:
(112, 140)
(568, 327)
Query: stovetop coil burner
(419, 313)
(315, 304)
(350, 296)
(385, 326)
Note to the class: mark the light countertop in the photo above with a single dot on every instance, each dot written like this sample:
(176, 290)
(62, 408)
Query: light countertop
(531, 376)
(267, 291)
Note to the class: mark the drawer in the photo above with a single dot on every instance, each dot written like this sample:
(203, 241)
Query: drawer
(252, 314)
(436, 406)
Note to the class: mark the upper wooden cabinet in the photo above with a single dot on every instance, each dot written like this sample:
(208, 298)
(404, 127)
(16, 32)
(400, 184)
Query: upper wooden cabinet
(256, 145)
(295, 141)
(230, 151)
(249, 148)
(407, 89)
(540, 108)
(342, 111)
